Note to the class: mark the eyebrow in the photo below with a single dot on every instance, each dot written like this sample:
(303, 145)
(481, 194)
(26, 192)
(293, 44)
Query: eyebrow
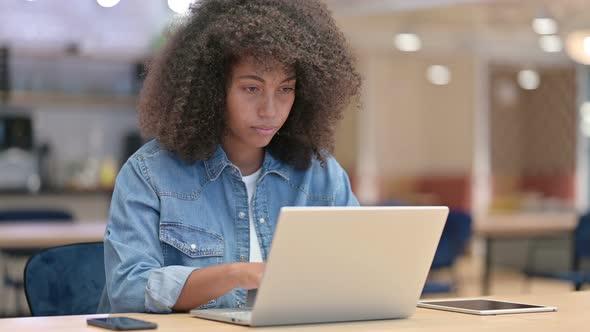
(260, 79)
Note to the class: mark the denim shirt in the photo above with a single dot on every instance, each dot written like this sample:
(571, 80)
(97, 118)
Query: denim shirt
(169, 218)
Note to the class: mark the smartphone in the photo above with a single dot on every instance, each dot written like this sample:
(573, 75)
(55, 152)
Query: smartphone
(121, 323)
(484, 306)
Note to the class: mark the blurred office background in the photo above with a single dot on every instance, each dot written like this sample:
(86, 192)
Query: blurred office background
(481, 105)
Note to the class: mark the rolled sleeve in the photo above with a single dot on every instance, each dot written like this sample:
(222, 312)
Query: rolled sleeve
(136, 279)
(164, 286)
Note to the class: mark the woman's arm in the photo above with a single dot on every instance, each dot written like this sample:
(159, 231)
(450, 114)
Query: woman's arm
(137, 279)
(212, 282)
(132, 247)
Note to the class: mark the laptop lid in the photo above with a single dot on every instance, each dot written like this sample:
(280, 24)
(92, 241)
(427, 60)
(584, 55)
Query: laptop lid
(332, 264)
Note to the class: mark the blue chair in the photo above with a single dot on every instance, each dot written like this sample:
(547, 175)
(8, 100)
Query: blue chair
(581, 251)
(434, 287)
(452, 244)
(65, 280)
(36, 215)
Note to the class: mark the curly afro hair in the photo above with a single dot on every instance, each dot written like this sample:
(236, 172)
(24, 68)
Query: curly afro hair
(183, 100)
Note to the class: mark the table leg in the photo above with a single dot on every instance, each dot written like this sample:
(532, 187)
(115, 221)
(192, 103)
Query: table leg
(575, 262)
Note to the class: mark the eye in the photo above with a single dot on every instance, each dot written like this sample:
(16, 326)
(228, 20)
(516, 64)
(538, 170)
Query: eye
(251, 89)
(287, 90)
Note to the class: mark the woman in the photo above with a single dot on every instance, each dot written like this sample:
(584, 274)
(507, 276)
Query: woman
(243, 104)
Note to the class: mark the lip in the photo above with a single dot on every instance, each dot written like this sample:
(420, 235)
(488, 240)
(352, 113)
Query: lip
(265, 131)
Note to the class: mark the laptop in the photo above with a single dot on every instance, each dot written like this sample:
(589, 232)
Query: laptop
(336, 264)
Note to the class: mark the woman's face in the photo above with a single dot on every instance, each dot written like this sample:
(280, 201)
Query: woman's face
(259, 99)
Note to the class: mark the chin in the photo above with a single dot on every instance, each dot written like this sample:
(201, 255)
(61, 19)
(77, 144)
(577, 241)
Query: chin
(262, 143)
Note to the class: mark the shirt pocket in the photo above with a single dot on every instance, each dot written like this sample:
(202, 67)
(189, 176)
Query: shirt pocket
(189, 245)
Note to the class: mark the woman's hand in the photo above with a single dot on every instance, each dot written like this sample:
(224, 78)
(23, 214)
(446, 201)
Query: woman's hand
(214, 281)
(248, 275)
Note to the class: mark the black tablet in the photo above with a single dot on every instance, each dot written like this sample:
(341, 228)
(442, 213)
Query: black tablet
(484, 306)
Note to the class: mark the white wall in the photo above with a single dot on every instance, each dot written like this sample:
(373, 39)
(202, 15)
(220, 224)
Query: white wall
(416, 127)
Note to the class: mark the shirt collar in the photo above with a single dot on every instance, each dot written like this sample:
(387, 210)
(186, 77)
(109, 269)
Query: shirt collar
(216, 163)
(273, 165)
(219, 161)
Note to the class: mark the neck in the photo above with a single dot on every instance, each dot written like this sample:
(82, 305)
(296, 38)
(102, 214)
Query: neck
(247, 159)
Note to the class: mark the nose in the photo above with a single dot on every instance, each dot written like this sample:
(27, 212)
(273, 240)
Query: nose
(268, 107)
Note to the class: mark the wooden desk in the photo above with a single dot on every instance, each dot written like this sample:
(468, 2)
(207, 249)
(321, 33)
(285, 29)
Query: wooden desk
(529, 225)
(20, 235)
(572, 316)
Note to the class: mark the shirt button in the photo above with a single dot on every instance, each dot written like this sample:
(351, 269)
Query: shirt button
(243, 258)
(261, 220)
(242, 214)
(239, 304)
(193, 246)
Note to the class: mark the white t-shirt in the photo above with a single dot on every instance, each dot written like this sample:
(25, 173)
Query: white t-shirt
(250, 181)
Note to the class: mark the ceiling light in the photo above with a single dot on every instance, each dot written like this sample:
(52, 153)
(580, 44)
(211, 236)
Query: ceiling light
(528, 79)
(107, 3)
(578, 46)
(587, 45)
(551, 43)
(545, 26)
(407, 42)
(180, 6)
(438, 75)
